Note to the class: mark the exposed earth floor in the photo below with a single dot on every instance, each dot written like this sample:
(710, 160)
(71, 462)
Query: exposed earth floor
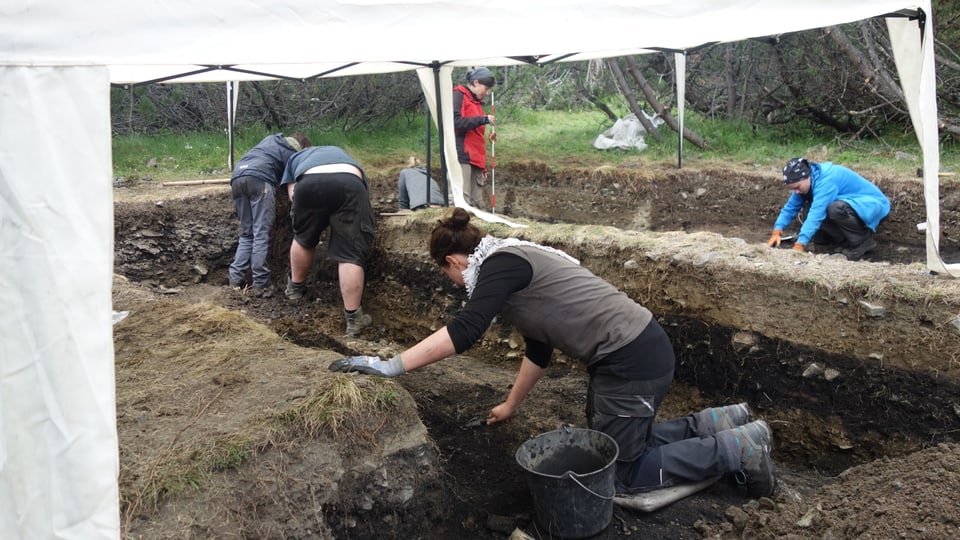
(231, 426)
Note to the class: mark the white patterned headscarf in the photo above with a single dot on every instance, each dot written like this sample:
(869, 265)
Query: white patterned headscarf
(488, 246)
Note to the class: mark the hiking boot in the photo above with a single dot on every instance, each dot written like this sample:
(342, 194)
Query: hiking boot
(715, 419)
(756, 466)
(295, 291)
(857, 252)
(266, 291)
(357, 321)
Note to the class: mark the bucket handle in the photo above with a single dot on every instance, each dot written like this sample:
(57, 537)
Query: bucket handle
(573, 477)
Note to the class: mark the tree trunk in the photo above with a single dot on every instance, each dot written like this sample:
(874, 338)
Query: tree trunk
(658, 107)
(631, 99)
(874, 74)
(728, 80)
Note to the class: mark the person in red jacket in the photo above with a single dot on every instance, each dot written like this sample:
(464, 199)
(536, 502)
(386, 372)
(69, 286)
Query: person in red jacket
(469, 123)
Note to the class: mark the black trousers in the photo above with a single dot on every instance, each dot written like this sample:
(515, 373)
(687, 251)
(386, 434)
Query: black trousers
(842, 227)
(652, 454)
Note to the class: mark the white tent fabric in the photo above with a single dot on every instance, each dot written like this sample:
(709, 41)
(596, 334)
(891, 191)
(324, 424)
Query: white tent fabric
(58, 442)
(58, 437)
(913, 53)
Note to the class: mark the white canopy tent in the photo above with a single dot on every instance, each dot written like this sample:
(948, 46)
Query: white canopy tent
(58, 439)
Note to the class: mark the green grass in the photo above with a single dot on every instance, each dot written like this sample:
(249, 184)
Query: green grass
(556, 138)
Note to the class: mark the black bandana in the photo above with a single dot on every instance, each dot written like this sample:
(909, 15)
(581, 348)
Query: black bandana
(796, 170)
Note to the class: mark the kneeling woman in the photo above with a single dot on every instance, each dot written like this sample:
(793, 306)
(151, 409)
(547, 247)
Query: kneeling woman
(556, 303)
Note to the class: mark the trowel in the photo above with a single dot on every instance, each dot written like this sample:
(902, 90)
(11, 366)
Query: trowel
(478, 421)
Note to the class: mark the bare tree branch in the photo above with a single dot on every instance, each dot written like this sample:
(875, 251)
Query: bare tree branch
(582, 90)
(875, 76)
(658, 107)
(631, 99)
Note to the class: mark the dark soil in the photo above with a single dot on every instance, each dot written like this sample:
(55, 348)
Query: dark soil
(871, 451)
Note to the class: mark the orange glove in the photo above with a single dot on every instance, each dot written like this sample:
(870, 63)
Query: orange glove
(774, 240)
(799, 247)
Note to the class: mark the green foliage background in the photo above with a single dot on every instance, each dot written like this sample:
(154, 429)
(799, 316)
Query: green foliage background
(556, 138)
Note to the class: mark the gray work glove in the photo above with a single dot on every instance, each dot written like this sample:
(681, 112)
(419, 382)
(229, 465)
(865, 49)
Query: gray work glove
(369, 365)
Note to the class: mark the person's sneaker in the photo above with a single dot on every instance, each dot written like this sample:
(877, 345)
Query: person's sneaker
(357, 321)
(266, 291)
(756, 466)
(857, 252)
(295, 291)
(716, 419)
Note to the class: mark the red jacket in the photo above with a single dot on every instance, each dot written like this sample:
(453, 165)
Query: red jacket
(469, 124)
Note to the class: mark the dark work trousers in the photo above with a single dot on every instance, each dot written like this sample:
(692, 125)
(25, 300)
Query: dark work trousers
(654, 455)
(255, 202)
(842, 227)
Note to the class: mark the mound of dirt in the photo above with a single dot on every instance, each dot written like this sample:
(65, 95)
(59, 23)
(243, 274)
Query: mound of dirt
(228, 430)
(854, 365)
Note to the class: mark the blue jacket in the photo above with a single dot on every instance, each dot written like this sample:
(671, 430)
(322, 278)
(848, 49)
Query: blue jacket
(828, 183)
(265, 160)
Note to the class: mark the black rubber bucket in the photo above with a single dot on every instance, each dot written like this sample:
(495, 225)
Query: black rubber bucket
(570, 472)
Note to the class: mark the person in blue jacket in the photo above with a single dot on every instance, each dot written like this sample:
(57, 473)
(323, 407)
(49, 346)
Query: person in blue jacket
(844, 208)
(253, 187)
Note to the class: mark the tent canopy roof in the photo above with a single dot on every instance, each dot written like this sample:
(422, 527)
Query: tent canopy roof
(159, 39)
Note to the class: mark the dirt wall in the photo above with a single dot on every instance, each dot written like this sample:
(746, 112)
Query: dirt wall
(854, 364)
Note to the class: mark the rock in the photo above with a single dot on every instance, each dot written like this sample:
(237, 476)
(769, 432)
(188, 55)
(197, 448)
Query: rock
(813, 370)
(737, 516)
(705, 259)
(873, 310)
(742, 340)
(807, 520)
(517, 534)
(296, 394)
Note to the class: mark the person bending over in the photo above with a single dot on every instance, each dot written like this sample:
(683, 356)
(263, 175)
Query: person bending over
(556, 303)
(413, 186)
(328, 188)
(253, 187)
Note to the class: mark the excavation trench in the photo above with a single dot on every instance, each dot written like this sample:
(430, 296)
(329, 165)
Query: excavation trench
(850, 363)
